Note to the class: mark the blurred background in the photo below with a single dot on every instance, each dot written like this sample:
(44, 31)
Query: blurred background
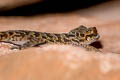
(37, 7)
(62, 62)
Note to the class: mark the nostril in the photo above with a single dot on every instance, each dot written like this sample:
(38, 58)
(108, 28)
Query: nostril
(82, 35)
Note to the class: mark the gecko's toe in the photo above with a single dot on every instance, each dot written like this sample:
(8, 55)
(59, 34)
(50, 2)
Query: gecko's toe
(15, 47)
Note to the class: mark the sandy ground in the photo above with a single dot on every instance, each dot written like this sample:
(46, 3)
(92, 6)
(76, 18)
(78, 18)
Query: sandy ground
(65, 62)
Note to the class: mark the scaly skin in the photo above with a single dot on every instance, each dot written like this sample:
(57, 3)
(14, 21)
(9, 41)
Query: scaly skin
(22, 39)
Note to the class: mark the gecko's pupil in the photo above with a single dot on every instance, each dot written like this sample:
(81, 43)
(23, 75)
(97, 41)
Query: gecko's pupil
(77, 34)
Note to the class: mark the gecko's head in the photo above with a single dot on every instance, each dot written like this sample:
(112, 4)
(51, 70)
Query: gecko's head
(85, 35)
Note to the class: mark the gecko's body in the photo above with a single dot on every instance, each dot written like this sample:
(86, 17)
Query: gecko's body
(22, 39)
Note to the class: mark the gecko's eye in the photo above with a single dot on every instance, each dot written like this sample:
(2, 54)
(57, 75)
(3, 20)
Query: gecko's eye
(82, 35)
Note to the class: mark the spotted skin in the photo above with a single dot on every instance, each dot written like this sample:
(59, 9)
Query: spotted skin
(80, 36)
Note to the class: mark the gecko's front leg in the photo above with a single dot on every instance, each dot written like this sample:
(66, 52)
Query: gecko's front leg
(27, 45)
(15, 47)
(87, 47)
(22, 46)
(90, 48)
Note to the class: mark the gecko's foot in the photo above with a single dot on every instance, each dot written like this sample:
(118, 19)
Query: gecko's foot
(16, 47)
(94, 49)
(91, 48)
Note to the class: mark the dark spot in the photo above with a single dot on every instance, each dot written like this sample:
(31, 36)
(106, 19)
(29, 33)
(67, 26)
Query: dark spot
(44, 37)
(49, 35)
(77, 34)
(71, 35)
(10, 33)
(75, 41)
(91, 35)
(4, 35)
(59, 37)
(82, 35)
(81, 40)
(66, 40)
(39, 44)
(37, 34)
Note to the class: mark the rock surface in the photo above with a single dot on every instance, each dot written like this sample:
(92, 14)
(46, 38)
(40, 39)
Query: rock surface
(65, 62)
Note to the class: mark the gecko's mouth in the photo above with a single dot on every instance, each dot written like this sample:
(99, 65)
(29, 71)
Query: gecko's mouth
(98, 36)
(92, 40)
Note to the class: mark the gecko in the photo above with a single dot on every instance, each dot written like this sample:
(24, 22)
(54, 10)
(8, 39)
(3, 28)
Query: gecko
(22, 39)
